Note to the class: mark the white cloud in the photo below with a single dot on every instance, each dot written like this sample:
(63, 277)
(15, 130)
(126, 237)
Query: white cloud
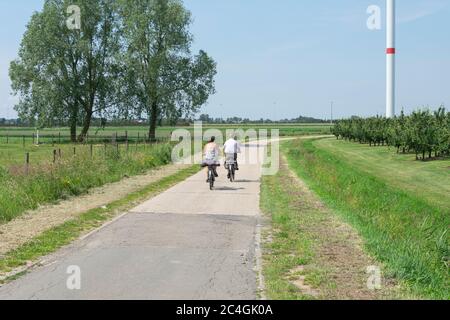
(424, 9)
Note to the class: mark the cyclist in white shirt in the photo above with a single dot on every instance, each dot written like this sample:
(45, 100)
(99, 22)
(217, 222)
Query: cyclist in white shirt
(211, 156)
(231, 150)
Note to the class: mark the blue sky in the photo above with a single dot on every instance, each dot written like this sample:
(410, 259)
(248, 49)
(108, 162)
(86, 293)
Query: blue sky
(279, 59)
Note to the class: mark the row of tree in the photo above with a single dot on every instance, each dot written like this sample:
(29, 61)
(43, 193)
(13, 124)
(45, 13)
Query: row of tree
(237, 120)
(423, 132)
(123, 59)
(10, 122)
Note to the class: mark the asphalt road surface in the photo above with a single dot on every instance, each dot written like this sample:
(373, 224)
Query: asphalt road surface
(187, 243)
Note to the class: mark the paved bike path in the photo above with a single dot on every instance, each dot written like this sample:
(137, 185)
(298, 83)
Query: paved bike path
(187, 243)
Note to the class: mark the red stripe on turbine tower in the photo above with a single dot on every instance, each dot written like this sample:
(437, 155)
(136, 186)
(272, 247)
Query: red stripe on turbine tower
(390, 50)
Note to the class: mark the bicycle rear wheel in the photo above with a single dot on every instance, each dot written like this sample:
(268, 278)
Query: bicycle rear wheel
(211, 180)
(231, 172)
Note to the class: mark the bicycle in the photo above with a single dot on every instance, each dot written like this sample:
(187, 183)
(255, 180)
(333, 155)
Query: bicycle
(230, 165)
(211, 175)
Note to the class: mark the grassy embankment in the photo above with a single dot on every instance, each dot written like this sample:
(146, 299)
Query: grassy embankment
(429, 180)
(398, 205)
(71, 175)
(309, 252)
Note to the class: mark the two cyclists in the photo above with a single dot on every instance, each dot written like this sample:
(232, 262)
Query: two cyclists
(211, 154)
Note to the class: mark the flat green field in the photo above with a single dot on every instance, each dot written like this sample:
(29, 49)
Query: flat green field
(428, 180)
(49, 135)
(162, 132)
(13, 147)
(13, 155)
(13, 152)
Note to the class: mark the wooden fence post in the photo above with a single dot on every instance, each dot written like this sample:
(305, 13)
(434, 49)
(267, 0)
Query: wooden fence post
(54, 156)
(92, 151)
(27, 163)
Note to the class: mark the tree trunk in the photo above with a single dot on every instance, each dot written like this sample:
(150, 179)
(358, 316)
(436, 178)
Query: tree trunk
(153, 122)
(73, 122)
(73, 131)
(86, 126)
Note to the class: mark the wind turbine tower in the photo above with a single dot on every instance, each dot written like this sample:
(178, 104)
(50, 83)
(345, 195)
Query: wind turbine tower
(390, 63)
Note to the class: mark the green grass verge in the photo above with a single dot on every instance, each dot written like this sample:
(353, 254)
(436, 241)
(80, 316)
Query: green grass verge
(59, 236)
(74, 175)
(406, 233)
(290, 247)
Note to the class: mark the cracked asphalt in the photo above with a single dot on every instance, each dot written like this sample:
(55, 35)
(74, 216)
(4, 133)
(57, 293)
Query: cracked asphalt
(187, 243)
